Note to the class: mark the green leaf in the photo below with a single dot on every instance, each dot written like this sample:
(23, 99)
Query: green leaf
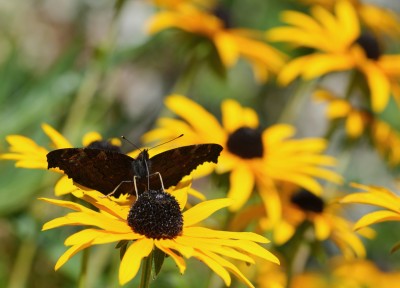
(158, 257)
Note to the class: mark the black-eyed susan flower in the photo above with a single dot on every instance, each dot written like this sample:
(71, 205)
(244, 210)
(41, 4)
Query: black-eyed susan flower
(326, 218)
(231, 44)
(340, 45)
(28, 154)
(356, 119)
(387, 141)
(252, 156)
(379, 197)
(364, 273)
(359, 121)
(376, 18)
(155, 221)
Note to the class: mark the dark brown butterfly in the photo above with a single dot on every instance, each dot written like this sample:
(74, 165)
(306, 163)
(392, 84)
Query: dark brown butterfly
(104, 170)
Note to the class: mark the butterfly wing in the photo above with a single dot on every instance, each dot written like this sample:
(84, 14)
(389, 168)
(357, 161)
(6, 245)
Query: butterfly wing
(96, 169)
(176, 163)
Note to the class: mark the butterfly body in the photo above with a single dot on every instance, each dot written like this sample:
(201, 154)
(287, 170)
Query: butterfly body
(103, 170)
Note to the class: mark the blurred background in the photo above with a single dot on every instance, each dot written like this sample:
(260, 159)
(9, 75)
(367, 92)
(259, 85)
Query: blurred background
(90, 65)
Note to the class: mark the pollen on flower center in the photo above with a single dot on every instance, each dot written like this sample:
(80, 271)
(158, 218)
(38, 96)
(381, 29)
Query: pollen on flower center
(246, 143)
(157, 215)
(370, 45)
(307, 201)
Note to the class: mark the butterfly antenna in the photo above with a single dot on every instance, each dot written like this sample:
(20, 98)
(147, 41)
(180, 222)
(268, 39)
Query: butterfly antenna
(133, 144)
(166, 142)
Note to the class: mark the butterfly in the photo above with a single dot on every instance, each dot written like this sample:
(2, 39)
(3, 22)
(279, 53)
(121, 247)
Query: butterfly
(109, 171)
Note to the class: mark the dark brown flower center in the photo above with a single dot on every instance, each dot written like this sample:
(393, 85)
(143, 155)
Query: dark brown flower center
(370, 45)
(307, 201)
(156, 214)
(104, 145)
(246, 143)
(224, 15)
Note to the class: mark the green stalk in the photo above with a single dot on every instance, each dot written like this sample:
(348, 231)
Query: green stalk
(23, 263)
(146, 271)
(84, 265)
(296, 102)
(298, 251)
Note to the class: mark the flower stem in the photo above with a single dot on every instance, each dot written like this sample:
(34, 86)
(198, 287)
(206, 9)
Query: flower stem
(146, 271)
(84, 266)
(297, 252)
(23, 264)
(296, 102)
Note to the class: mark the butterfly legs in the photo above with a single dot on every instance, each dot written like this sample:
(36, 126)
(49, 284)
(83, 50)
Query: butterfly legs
(122, 182)
(134, 183)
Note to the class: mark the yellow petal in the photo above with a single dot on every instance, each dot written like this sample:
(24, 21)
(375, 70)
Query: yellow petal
(67, 204)
(202, 232)
(376, 217)
(301, 20)
(197, 194)
(91, 137)
(69, 253)
(319, 64)
(323, 95)
(64, 186)
(379, 85)
(232, 268)
(322, 228)
(241, 185)
(299, 179)
(354, 125)
(277, 133)
(96, 236)
(180, 192)
(381, 200)
(169, 129)
(58, 140)
(162, 21)
(185, 250)
(220, 246)
(90, 219)
(272, 202)
(227, 49)
(203, 210)
(179, 261)
(22, 144)
(235, 117)
(350, 244)
(130, 264)
(348, 20)
(292, 70)
(208, 127)
(283, 231)
(338, 108)
(215, 266)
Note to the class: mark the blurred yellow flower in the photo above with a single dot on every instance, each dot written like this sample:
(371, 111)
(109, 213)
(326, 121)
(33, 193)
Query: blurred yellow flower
(252, 156)
(376, 196)
(387, 141)
(340, 46)
(154, 222)
(356, 120)
(355, 273)
(231, 44)
(377, 19)
(28, 154)
(300, 206)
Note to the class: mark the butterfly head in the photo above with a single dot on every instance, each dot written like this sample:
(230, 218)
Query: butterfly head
(141, 165)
